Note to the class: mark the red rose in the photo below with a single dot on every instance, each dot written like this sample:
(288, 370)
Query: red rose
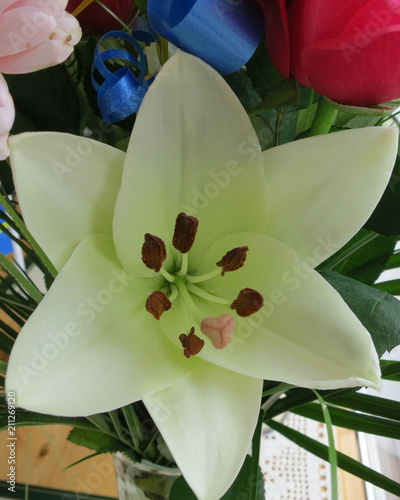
(347, 50)
(96, 20)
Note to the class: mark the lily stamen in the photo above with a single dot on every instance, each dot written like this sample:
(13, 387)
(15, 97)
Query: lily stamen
(192, 344)
(185, 232)
(153, 252)
(202, 277)
(233, 260)
(184, 265)
(248, 302)
(157, 303)
(192, 288)
(174, 293)
(169, 277)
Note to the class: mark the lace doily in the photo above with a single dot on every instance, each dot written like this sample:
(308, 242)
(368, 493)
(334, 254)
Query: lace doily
(290, 472)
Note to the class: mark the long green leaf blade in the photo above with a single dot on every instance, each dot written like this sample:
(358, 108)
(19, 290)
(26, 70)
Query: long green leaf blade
(352, 420)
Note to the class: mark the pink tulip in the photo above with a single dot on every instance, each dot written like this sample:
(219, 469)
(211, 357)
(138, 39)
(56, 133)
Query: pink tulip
(35, 34)
(7, 115)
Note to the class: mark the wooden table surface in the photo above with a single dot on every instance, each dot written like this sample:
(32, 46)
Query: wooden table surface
(42, 455)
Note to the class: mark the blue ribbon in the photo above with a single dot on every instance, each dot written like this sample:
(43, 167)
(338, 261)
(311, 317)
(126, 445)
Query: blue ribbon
(224, 33)
(122, 92)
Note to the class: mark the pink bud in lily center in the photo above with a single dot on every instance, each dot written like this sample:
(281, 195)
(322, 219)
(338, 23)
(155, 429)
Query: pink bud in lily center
(35, 34)
(94, 19)
(7, 115)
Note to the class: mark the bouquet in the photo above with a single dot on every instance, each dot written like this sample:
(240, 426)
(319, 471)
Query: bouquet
(210, 191)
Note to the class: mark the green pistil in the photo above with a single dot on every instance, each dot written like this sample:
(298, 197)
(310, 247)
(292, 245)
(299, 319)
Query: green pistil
(205, 295)
(203, 277)
(186, 297)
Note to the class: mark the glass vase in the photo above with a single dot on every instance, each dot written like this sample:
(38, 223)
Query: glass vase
(143, 481)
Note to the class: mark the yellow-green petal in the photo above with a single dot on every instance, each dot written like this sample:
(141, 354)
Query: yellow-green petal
(324, 188)
(66, 186)
(207, 421)
(193, 149)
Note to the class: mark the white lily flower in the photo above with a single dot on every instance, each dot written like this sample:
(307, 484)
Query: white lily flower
(261, 313)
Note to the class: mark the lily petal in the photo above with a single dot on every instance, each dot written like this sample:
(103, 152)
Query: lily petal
(214, 412)
(200, 156)
(305, 334)
(66, 183)
(90, 346)
(324, 188)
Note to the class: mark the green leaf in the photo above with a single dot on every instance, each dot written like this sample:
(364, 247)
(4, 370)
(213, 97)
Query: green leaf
(24, 282)
(100, 442)
(392, 286)
(241, 488)
(6, 343)
(347, 120)
(390, 370)
(262, 71)
(100, 422)
(257, 488)
(24, 418)
(284, 94)
(344, 462)
(366, 403)
(394, 261)
(378, 311)
(386, 217)
(180, 490)
(352, 420)
(15, 220)
(142, 5)
(114, 416)
(364, 257)
(242, 86)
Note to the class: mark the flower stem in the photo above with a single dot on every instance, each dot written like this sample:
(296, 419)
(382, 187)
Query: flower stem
(332, 450)
(324, 118)
(113, 14)
(255, 456)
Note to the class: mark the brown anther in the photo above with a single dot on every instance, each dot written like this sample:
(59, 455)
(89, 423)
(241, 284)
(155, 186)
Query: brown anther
(192, 344)
(233, 260)
(248, 302)
(153, 252)
(185, 232)
(157, 303)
